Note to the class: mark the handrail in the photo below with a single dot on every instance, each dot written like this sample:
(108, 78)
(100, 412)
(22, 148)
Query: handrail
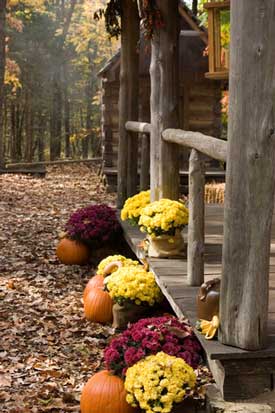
(213, 147)
(200, 144)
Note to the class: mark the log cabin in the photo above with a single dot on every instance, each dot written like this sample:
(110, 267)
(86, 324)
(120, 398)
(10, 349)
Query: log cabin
(199, 97)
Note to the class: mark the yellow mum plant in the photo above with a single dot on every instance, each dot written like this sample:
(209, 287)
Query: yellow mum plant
(133, 206)
(163, 217)
(133, 284)
(157, 382)
(112, 258)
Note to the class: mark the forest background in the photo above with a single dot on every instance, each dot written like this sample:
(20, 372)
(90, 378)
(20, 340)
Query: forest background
(50, 54)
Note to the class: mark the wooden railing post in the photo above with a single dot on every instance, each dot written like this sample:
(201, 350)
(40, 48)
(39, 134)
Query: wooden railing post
(145, 162)
(250, 184)
(164, 73)
(128, 101)
(195, 249)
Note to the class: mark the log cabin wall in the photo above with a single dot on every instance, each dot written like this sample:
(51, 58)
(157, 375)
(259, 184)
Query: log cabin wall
(200, 97)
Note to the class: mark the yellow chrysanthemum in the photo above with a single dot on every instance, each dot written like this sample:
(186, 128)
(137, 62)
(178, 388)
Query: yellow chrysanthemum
(157, 382)
(133, 206)
(111, 258)
(133, 284)
(163, 217)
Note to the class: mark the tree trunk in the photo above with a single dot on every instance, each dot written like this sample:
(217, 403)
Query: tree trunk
(128, 101)
(41, 137)
(56, 118)
(195, 7)
(85, 140)
(66, 113)
(164, 72)
(17, 122)
(89, 108)
(29, 128)
(250, 175)
(2, 74)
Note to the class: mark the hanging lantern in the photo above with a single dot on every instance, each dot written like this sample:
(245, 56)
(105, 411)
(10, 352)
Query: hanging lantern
(218, 39)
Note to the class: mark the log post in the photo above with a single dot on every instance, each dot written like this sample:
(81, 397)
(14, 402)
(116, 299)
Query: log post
(164, 73)
(250, 175)
(128, 101)
(145, 162)
(195, 249)
(145, 149)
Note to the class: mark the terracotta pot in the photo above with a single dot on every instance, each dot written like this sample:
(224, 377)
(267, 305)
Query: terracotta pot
(167, 245)
(208, 299)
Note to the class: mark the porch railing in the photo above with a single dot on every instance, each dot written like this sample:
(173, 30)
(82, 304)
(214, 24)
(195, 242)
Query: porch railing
(200, 145)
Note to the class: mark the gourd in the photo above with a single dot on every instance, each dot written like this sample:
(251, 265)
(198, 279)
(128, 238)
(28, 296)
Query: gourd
(98, 306)
(95, 282)
(104, 393)
(72, 252)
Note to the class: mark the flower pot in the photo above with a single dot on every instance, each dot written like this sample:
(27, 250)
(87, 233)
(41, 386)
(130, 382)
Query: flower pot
(127, 313)
(72, 252)
(188, 405)
(167, 246)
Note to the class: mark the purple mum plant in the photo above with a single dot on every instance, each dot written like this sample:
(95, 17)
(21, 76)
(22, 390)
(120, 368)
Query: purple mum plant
(149, 336)
(94, 225)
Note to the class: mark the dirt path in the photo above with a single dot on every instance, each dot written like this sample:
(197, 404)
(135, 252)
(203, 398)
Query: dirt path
(47, 349)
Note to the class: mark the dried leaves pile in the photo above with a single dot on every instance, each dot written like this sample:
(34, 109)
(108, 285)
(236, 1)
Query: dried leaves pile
(47, 349)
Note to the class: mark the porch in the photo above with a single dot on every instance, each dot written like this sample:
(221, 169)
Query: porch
(239, 374)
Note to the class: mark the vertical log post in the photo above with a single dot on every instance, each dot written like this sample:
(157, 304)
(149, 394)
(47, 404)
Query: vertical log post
(145, 162)
(250, 176)
(145, 148)
(128, 101)
(195, 249)
(164, 73)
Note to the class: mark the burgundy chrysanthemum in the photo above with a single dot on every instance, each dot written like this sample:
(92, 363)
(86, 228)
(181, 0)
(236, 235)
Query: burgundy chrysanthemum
(95, 224)
(149, 336)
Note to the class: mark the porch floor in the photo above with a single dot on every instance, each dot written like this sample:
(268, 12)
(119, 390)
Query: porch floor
(239, 374)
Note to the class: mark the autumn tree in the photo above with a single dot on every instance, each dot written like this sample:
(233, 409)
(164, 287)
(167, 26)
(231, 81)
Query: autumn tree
(51, 105)
(2, 72)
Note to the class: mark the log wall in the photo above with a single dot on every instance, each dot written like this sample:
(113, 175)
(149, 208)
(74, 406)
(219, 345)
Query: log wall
(199, 111)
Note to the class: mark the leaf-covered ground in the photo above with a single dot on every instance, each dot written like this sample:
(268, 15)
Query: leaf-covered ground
(47, 348)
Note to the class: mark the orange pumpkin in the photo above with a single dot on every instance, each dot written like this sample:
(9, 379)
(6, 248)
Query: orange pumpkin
(72, 252)
(96, 281)
(98, 306)
(104, 393)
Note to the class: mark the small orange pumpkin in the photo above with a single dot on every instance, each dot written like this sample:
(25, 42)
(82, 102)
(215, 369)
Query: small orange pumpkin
(98, 306)
(72, 252)
(104, 393)
(96, 281)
